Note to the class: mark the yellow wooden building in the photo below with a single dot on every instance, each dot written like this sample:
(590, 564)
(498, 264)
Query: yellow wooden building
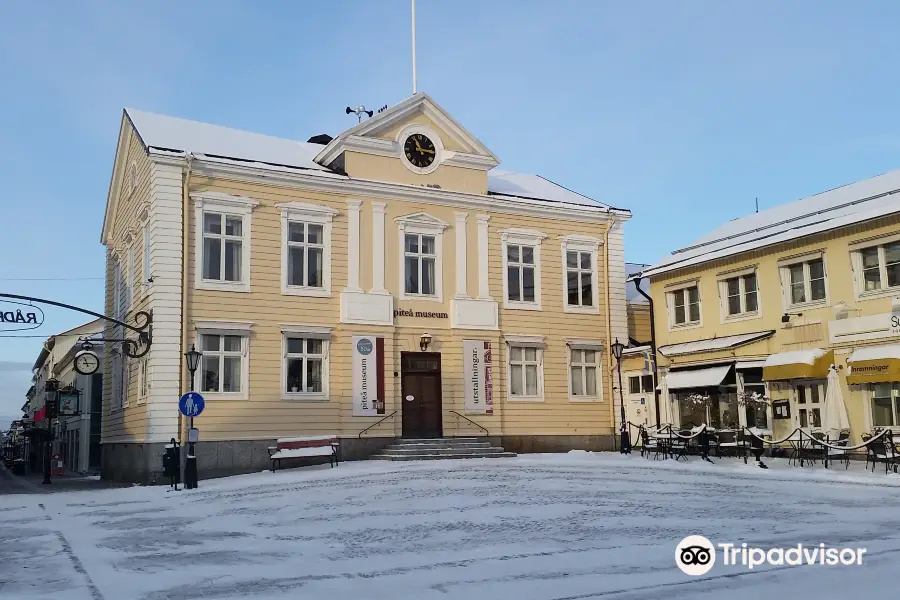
(388, 282)
(768, 302)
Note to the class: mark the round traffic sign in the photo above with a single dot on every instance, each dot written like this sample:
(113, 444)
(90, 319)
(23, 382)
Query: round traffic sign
(191, 404)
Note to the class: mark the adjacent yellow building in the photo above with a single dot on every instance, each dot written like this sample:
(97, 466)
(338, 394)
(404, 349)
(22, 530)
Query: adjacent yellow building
(388, 282)
(766, 303)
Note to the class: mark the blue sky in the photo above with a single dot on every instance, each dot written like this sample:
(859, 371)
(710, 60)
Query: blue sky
(683, 112)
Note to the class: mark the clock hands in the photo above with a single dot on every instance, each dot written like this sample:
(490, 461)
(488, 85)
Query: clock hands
(420, 148)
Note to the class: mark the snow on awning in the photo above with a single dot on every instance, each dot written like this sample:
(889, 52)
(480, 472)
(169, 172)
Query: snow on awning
(875, 364)
(798, 364)
(712, 344)
(697, 378)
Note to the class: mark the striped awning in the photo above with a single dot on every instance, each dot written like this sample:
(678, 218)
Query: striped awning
(798, 364)
(876, 364)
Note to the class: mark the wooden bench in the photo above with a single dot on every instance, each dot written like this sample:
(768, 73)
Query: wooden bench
(305, 447)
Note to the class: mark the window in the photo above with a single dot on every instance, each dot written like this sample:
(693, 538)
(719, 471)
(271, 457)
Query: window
(581, 277)
(304, 367)
(756, 414)
(640, 384)
(143, 379)
(685, 306)
(885, 405)
(222, 246)
(880, 267)
(521, 268)
(804, 282)
(520, 273)
(116, 292)
(809, 400)
(740, 295)
(129, 280)
(119, 381)
(525, 372)
(222, 363)
(223, 241)
(306, 245)
(584, 371)
(420, 256)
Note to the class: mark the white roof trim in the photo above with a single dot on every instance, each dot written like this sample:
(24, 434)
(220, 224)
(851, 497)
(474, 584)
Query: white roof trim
(697, 378)
(876, 353)
(713, 344)
(794, 357)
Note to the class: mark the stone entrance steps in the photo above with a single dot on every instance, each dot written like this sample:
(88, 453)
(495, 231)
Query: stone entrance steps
(441, 448)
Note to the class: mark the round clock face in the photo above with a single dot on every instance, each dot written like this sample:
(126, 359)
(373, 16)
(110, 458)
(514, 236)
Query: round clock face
(419, 150)
(86, 362)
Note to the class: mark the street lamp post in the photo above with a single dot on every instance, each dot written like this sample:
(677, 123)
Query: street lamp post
(51, 402)
(624, 437)
(192, 357)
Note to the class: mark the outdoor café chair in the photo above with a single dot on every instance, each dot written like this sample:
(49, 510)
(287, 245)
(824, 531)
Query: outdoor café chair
(840, 455)
(726, 443)
(649, 444)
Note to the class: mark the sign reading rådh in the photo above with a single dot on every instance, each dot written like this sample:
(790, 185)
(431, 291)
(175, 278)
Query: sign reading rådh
(17, 316)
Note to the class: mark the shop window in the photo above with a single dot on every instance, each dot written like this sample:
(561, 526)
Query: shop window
(885, 405)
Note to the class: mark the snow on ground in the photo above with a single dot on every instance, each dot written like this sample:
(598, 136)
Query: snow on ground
(537, 527)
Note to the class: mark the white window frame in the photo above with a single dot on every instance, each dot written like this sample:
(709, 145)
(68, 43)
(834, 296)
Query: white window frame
(129, 280)
(117, 289)
(117, 376)
(146, 260)
(522, 237)
(314, 214)
(744, 315)
(233, 206)
(306, 332)
(220, 328)
(856, 261)
(422, 224)
(598, 373)
(525, 341)
(143, 380)
(670, 305)
(784, 270)
(870, 418)
(580, 243)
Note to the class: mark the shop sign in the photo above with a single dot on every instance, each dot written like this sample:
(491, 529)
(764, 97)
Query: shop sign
(479, 392)
(368, 376)
(17, 316)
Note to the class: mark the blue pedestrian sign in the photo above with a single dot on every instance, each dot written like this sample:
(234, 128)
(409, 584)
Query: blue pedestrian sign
(191, 404)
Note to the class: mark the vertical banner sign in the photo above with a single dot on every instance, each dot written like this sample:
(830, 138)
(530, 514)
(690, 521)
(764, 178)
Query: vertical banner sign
(477, 375)
(368, 378)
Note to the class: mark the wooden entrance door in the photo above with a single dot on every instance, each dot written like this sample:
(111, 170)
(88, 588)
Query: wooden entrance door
(421, 393)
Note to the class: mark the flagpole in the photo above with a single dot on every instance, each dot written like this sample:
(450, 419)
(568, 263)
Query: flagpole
(414, 44)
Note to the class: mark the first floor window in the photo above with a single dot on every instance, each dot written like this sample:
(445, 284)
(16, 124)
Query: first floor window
(520, 272)
(584, 368)
(524, 369)
(306, 249)
(686, 304)
(419, 262)
(304, 365)
(806, 281)
(885, 405)
(222, 246)
(222, 366)
(579, 278)
(881, 267)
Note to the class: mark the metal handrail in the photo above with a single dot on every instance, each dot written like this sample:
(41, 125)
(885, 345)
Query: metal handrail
(378, 422)
(486, 432)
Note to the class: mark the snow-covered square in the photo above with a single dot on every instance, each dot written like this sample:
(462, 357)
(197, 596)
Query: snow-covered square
(538, 527)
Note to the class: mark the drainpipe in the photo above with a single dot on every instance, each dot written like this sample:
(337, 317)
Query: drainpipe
(185, 230)
(611, 221)
(637, 282)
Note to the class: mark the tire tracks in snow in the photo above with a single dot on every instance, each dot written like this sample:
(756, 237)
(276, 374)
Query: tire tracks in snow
(76, 562)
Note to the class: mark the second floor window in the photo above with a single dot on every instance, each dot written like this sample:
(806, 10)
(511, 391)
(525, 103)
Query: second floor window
(686, 305)
(880, 267)
(741, 295)
(419, 264)
(579, 276)
(520, 272)
(223, 237)
(305, 254)
(805, 281)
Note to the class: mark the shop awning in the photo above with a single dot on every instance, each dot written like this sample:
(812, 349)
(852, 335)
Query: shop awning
(697, 378)
(875, 364)
(713, 344)
(798, 364)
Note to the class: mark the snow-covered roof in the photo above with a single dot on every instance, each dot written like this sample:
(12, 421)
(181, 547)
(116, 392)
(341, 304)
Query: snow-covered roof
(182, 135)
(697, 378)
(794, 357)
(876, 353)
(718, 343)
(846, 205)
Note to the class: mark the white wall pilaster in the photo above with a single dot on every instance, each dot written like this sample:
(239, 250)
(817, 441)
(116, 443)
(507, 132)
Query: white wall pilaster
(378, 210)
(353, 208)
(483, 279)
(461, 251)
